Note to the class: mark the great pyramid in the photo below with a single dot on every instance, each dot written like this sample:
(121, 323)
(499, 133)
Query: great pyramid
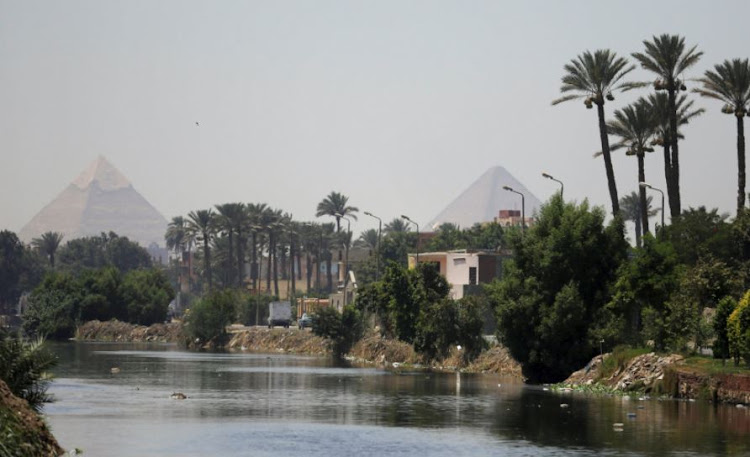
(482, 201)
(99, 200)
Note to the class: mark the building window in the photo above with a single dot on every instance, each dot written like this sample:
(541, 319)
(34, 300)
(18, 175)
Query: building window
(473, 276)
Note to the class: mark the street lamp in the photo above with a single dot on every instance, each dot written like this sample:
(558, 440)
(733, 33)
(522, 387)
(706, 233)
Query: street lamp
(562, 186)
(377, 248)
(649, 186)
(406, 218)
(523, 206)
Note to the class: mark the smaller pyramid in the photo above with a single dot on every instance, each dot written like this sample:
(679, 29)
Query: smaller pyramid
(484, 198)
(100, 199)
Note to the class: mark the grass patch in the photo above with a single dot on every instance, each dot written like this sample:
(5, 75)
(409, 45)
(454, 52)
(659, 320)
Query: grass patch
(711, 366)
(618, 359)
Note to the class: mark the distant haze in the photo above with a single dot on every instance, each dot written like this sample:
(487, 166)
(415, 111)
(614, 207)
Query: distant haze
(398, 105)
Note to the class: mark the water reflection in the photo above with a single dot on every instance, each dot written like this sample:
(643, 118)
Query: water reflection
(237, 399)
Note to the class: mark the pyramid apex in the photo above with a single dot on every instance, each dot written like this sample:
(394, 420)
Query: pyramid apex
(104, 173)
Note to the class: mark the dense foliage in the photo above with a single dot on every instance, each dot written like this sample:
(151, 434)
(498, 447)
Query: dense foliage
(549, 302)
(738, 330)
(343, 329)
(208, 318)
(20, 270)
(63, 300)
(413, 306)
(107, 249)
(24, 367)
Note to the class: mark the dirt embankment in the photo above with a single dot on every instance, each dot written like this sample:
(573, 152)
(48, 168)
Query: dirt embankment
(117, 331)
(665, 375)
(374, 349)
(22, 431)
(290, 340)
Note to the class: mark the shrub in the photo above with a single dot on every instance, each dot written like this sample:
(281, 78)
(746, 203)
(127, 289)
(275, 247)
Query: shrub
(738, 331)
(723, 310)
(146, 294)
(207, 320)
(24, 368)
(343, 329)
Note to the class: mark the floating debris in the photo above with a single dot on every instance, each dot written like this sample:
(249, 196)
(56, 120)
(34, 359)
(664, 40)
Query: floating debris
(114, 370)
(178, 396)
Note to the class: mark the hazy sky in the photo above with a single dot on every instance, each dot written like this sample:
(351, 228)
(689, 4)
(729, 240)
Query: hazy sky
(400, 105)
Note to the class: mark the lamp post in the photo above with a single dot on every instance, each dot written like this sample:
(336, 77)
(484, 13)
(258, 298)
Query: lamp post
(346, 247)
(416, 225)
(562, 186)
(649, 186)
(377, 248)
(523, 206)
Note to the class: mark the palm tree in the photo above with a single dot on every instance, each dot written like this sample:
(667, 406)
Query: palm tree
(667, 57)
(176, 235)
(397, 225)
(255, 220)
(327, 239)
(730, 83)
(368, 240)
(630, 205)
(47, 244)
(229, 218)
(311, 243)
(179, 239)
(635, 126)
(201, 224)
(335, 204)
(594, 77)
(659, 104)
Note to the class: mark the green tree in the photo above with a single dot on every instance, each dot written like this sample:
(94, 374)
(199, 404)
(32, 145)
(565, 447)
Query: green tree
(730, 84)
(146, 295)
(549, 299)
(343, 329)
(18, 271)
(107, 249)
(644, 286)
(635, 126)
(738, 331)
(725, 309)
(207, 320)
(699, 232)
(47, 244)
(594, 77)
(201, 224)
(667, 57)
(229, 218)
(54, 306)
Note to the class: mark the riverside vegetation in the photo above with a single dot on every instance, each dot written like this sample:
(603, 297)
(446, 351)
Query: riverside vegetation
(572, 288)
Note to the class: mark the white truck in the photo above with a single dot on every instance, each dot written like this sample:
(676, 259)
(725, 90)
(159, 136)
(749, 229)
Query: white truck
(279, 313)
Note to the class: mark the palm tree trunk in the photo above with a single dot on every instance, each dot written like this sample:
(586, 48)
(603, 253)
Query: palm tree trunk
(740, 165)
(292, 264)
(608, 161)
(207, 261)
(637, 221)
(230, 275)
(254, 265)
(329, 274)
(268, 270)
(668, 173)
(309, 271)
(642, 192)
(275, 270)
(240, 258)
(676, 208)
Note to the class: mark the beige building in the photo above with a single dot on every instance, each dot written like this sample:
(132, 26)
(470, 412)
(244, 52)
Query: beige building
(463, 269)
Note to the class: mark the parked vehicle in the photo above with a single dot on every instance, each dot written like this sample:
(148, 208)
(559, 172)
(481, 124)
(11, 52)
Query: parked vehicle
(304, 321)
(279, 313)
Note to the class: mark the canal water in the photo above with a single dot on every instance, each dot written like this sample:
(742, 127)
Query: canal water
(285, 405)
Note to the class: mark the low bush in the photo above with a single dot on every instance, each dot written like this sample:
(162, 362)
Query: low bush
(207, 320)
